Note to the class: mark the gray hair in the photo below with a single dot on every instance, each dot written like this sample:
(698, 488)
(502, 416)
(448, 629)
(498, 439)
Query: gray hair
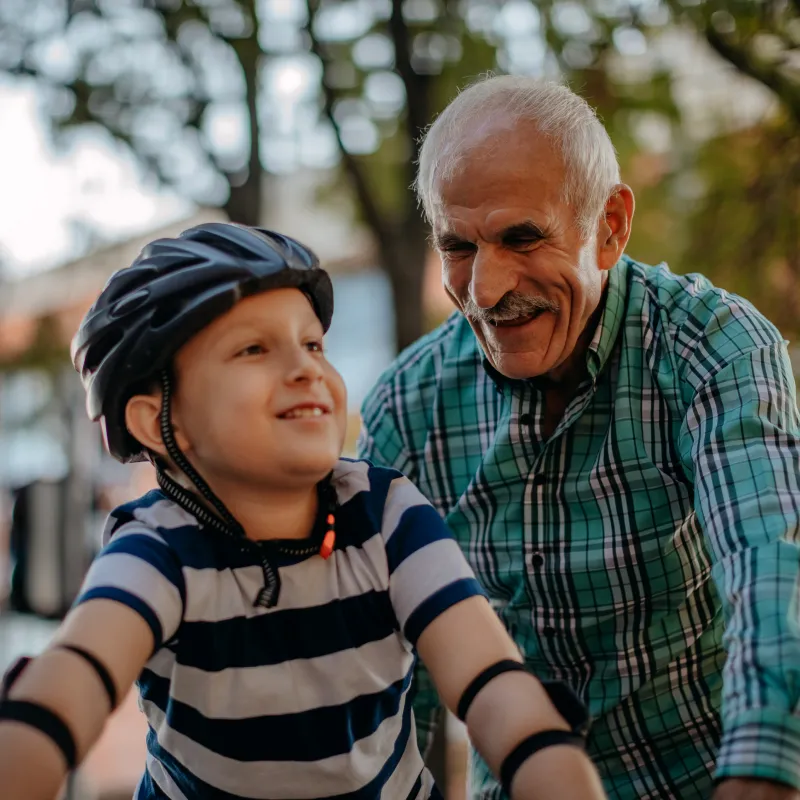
(590, 161)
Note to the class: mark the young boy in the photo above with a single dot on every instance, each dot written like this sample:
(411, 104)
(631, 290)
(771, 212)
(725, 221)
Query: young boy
(270, 599)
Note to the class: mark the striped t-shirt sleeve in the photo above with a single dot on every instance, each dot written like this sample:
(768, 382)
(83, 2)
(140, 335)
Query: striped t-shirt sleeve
(138, 569)
(427, 570)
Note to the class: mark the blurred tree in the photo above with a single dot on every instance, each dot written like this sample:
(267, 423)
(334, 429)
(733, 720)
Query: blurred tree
(761, 38)
(742, 229)
(157, 74)
(745, 229)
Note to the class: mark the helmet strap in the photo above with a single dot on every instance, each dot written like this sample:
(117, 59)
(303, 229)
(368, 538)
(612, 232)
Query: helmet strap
(223, 519)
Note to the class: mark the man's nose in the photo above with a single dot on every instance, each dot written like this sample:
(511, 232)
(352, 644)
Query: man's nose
(491, 279)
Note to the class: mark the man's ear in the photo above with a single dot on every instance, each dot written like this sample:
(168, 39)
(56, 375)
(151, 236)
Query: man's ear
(143, 421)
(615, 227)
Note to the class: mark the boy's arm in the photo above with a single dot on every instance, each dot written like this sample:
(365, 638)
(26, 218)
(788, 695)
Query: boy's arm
(131, 602)
(457, 647)
(441, 609)
(31, 764)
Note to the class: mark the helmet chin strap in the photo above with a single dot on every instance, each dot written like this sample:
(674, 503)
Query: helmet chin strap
(223, 520)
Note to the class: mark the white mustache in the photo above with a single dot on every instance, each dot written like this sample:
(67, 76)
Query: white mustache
(511, 306)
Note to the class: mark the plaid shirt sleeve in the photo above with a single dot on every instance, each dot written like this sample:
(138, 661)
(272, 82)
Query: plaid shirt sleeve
(380, 443)
(740, 441)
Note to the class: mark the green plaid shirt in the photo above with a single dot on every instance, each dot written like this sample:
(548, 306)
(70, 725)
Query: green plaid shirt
(654, 533)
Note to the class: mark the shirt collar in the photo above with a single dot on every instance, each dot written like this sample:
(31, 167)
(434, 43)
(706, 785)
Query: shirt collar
(610, 324)
(605, 335)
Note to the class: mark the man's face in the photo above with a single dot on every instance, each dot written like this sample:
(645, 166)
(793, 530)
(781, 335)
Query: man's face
(257, 401)
(513, 256)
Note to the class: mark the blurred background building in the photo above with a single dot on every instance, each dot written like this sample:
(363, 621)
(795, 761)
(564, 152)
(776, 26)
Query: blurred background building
(123, 120)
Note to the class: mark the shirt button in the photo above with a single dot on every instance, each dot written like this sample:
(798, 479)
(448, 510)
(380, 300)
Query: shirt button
(537, 560)
(539, 479)
(549, 631)
(526, 419)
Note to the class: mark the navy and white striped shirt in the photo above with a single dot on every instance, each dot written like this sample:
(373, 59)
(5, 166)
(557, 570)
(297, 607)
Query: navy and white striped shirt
(308, 699)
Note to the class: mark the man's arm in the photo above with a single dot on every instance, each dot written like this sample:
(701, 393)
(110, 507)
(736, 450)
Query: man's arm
(741, 442)
(381, 442)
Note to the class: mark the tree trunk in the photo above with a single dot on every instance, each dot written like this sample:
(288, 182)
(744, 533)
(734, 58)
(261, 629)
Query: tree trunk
(402, 242)
(245, 202)
(404, 261)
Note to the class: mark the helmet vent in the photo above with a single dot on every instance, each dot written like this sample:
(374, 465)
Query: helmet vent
(100, 349)
(130, 302)
(166, 312)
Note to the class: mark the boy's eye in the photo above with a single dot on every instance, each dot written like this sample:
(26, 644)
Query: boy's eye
(252, 350)
(315, 346)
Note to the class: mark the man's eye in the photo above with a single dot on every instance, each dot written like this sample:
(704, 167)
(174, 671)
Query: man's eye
(523, 242)
(460, 249)
(315, 346)
(252, 350)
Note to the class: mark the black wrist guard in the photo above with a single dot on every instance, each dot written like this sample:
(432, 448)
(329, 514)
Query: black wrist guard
(527, 747)
(44, 720)
(481, 679)
(569, 705)
(12, 673)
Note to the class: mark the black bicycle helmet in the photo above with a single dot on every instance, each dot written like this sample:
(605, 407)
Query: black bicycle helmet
(174, 288)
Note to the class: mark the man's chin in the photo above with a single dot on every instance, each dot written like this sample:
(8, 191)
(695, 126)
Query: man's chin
(520, 366)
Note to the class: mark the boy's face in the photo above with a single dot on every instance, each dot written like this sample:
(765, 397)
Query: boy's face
(257, 403)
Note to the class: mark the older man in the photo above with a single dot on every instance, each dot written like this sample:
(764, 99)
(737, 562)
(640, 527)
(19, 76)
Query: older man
(617, 449)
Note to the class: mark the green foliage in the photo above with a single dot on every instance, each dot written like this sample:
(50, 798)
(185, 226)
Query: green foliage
(745, 231)
(761, 38)
(151, 73)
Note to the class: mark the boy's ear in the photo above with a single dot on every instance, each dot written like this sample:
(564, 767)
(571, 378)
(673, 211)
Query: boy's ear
(143, 421)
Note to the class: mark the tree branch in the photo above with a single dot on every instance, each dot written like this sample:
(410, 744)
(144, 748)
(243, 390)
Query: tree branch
(355, 170)
(417, 111)
(787, 90)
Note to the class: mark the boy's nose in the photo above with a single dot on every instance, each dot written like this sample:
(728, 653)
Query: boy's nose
(305, 367)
